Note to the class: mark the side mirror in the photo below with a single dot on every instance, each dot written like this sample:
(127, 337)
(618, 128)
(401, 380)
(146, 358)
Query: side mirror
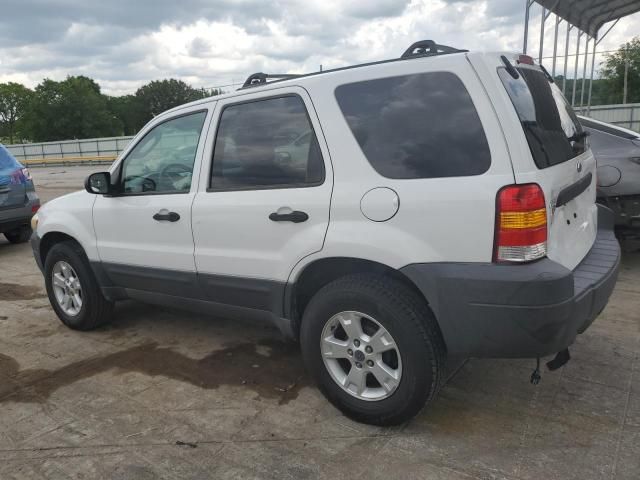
(98, 183)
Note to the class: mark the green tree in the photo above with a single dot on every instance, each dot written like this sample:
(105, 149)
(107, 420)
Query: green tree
(613, 72)
(72, 108)
(128, 109)
(160, 95)
(14, 101)
(598, 91)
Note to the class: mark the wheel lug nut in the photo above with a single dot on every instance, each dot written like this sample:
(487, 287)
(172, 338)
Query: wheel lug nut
(350, 352)
(368, 349)
(370, 363)
(358, 364)
(356, 342)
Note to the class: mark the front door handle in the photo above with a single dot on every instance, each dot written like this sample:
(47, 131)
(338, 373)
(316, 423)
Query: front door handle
(295, 217)
(166, 217)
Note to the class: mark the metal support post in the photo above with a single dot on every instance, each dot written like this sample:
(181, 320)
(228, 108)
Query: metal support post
(526, 24)
(584, 71)
(542, 22)
(566, 59)
(555, 47)
(575, 70)
(593, 67)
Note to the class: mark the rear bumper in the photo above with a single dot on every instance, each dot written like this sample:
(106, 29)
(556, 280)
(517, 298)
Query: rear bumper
(12, 218)
(520, 311)
(13, 223)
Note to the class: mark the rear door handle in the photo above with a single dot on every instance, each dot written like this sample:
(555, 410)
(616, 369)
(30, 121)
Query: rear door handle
(295, 217)
(166, 217)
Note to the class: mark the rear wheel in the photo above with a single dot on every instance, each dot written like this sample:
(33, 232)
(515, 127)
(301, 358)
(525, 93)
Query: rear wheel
(374, 348)
(19, 235)
(72, 288)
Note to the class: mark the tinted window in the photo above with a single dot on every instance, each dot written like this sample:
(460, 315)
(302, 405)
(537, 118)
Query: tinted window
(266, 143)
(416, 126)
(552, 129)
(162, 162)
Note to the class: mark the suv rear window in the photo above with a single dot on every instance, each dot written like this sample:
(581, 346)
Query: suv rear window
(553, 131)
(416, 126)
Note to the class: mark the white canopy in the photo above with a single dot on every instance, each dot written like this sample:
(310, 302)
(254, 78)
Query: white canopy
(590, 15)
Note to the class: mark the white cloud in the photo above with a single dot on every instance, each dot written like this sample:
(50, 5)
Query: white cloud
(208, 43)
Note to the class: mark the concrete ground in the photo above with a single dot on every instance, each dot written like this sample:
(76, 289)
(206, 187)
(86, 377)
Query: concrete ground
(164, 394)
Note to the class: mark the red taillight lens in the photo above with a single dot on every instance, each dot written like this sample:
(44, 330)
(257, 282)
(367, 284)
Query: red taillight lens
(521, 224)
(35, 208)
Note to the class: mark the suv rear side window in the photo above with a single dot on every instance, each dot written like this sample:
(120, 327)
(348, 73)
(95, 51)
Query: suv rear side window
(552, 129)
(416, 126)
(266, 144)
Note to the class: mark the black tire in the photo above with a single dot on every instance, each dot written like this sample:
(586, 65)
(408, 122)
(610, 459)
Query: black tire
(96, 310)
(19, 235)
(407, 317)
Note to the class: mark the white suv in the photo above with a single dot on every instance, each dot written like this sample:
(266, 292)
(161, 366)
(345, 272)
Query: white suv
(443, 204)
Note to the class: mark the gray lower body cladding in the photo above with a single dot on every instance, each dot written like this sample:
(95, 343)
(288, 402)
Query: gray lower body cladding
(213, 294)
(520, 311)
(484, 310)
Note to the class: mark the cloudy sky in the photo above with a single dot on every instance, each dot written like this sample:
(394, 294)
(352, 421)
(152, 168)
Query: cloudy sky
(126, 43)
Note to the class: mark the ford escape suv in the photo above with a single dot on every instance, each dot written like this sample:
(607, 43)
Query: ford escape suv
(387, 216)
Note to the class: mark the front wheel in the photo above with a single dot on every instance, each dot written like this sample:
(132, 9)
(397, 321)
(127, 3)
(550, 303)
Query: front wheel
(72, 288)
(374, 348)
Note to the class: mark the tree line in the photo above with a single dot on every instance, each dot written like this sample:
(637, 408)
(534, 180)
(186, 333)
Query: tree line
(75, 108)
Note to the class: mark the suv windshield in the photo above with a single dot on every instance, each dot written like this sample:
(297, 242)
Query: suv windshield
(552, 129)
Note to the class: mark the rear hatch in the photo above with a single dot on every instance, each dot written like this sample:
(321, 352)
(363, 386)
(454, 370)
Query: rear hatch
(12, 181)
(563, 164)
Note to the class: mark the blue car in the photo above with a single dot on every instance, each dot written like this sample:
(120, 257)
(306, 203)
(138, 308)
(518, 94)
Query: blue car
(18, 198)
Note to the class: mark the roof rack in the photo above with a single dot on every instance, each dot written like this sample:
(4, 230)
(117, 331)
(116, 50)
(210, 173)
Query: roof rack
(428, 48)
(423, 48)
(260, 78)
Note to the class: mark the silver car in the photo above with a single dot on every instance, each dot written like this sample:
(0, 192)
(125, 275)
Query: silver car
(18, 198)
(617, 152)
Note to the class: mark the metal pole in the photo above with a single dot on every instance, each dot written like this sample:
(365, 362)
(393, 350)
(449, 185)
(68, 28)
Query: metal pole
(542, 22)
(566, 60)
(526, 25)
(584, 71)
(555, 47)
(575, 70)
(593, 66)
(626, 74)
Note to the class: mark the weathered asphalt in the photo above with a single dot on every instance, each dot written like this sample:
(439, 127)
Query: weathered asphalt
(164, 394)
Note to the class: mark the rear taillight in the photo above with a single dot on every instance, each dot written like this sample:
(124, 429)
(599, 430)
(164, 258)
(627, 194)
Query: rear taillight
(35, 208)
(521, 224)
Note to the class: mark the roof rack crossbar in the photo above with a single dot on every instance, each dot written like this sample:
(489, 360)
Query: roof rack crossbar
(427, 48)
(261, 78)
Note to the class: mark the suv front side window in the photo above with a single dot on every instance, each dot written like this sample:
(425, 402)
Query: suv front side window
(162, 162)
(266, 144)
